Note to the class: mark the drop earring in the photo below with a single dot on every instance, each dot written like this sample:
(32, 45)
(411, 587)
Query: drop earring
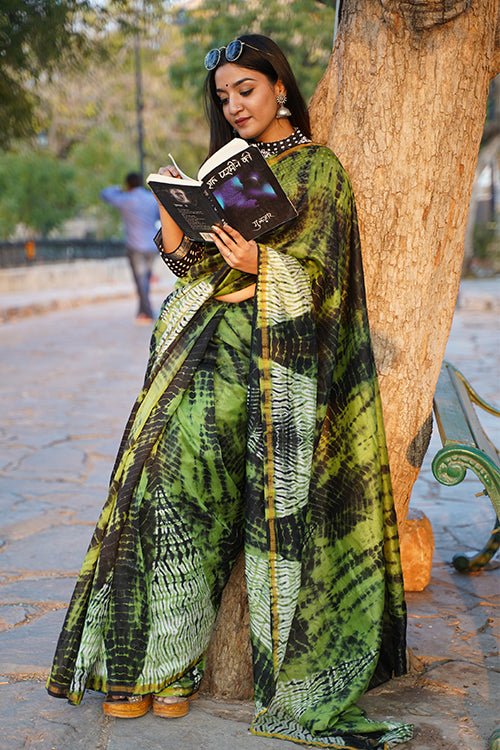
(282, 110)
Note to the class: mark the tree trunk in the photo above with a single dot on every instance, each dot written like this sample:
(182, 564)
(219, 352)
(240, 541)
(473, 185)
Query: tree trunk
(229, 661)
(403, 105)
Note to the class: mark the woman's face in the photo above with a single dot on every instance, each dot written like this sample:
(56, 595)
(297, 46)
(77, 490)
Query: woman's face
(249, 103)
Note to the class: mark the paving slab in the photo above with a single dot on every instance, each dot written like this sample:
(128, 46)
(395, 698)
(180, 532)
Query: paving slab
(60, 548)
(27, 590)
(30, 722)
(29, 650)
(210, 725)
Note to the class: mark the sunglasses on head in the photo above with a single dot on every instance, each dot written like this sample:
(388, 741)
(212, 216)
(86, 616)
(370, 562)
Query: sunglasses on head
(232, 52)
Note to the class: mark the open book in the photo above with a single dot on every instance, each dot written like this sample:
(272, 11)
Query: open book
(234, 186)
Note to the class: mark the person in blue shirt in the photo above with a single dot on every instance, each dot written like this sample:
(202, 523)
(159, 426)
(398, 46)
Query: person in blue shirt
(140, 213)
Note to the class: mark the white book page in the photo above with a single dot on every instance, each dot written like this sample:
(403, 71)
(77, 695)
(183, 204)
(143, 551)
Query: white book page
(223, 154)
(168, 180)
(182, 174)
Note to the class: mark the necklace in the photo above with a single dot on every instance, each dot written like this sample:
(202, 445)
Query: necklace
(277, 147)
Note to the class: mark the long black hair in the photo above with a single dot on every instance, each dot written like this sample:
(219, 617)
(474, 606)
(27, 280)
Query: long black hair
(266, 58)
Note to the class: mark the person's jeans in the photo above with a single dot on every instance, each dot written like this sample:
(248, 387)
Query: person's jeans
(142, 268)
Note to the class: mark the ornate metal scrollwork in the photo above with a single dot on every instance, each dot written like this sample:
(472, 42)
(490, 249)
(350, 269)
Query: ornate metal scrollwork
(451, 463)
(450, 466)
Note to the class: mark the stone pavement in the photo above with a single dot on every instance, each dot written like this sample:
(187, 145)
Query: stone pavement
(68, 380)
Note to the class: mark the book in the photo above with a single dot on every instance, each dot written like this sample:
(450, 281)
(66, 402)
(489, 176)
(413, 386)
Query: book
(234, 186)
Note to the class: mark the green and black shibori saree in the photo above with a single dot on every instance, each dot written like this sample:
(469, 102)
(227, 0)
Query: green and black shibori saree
(259, 424)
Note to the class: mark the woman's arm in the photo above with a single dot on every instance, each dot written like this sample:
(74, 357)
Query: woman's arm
(176, 250)
(172, 235)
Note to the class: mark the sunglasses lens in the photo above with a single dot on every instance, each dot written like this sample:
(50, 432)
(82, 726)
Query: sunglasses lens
(233, 50)
(212, 59)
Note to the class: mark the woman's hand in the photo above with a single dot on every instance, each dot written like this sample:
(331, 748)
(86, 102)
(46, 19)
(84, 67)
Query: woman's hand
(238, 252)
(169, 170)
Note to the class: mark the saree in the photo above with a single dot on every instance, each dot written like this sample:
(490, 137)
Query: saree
(307, 492)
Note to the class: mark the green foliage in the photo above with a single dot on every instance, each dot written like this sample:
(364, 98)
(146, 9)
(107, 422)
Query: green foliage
(38, 35)
(485, 240)
(36, 190)
(98, 161)
(34, 35)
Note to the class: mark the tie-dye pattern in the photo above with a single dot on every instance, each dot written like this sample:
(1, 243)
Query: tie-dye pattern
(258, 424)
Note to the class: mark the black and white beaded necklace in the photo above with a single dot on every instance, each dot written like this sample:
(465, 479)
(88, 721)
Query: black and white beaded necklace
(277, 147)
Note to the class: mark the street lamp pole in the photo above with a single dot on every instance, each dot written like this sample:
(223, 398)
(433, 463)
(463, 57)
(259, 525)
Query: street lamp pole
(139, 102)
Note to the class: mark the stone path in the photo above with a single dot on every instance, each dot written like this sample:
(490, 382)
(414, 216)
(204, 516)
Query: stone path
(68, 381)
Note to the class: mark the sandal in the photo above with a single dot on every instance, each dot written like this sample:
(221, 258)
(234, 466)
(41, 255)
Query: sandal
(172, 706)
(127, 707)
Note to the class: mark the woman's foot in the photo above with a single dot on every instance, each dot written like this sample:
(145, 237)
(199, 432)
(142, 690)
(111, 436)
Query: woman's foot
(127, 706)
(170, 706)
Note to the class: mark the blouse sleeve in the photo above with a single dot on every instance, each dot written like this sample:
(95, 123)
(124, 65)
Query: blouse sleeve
(183, 257)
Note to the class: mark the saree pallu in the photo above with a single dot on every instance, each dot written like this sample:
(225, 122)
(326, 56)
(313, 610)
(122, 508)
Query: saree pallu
(327, 612)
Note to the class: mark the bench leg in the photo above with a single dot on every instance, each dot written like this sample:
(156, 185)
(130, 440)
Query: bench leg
(449, 467)
(469, 563)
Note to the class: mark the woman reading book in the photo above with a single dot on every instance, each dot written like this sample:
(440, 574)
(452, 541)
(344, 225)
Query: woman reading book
(259, 427)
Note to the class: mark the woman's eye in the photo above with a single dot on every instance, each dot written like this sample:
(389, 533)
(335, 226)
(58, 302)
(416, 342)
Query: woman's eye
(223, 101)
(246, 93)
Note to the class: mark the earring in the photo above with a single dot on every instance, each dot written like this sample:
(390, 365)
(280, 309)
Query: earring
(282, 111)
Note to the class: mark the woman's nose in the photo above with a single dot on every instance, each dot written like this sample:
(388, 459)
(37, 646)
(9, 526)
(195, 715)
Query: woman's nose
(234, 105)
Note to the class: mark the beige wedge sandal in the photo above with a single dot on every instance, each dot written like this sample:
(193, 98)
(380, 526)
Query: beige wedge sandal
(172, 707)
(128, 707)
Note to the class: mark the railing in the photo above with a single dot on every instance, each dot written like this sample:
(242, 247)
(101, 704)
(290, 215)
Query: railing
(34, 252)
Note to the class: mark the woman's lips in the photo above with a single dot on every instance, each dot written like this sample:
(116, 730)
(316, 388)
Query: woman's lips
(241, 121)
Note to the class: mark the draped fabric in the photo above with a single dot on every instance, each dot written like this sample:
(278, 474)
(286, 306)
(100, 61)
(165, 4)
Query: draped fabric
(307, 491)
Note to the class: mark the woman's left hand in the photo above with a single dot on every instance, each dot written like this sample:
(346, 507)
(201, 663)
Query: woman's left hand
(236, 250)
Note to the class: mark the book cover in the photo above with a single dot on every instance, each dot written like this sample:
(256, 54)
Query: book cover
(235, 185)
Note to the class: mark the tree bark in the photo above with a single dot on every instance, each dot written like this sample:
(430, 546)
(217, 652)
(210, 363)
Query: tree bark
(228, 672)
(403, 105)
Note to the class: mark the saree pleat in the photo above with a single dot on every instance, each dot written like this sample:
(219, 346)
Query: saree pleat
(147, 596)
(259, 424)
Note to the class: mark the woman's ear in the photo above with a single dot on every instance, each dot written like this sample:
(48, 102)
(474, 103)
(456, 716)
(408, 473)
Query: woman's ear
(279, 88)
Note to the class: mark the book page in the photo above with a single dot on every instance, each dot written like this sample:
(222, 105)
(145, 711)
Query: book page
(182, 174)
(168, 180)
(222, 155)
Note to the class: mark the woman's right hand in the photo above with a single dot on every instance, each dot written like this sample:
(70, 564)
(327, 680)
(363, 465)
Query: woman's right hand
(169, 170)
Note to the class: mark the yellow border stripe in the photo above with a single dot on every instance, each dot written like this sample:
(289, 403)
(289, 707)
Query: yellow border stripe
(269, 486)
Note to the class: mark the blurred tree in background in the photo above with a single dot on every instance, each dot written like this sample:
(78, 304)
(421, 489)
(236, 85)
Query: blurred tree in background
(37, 191)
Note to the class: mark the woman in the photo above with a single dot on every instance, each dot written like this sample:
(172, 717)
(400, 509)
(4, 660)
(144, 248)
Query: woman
(258, 426)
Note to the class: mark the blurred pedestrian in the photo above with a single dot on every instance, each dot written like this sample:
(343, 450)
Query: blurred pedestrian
(139, 212)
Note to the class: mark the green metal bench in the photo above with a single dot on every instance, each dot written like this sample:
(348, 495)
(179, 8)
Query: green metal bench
(466, 446)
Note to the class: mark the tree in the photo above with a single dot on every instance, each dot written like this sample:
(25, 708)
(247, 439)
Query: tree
(36, 192)
(39, 36)
(403, 104)
(34, 35)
